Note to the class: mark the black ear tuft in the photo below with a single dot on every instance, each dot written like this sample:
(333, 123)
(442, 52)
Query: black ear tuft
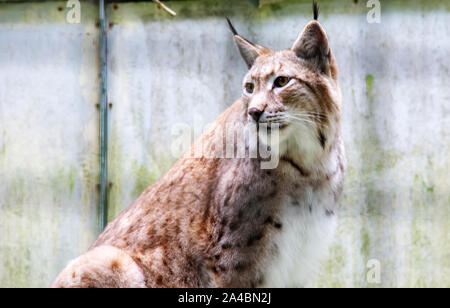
(315, 10)
(231, 27)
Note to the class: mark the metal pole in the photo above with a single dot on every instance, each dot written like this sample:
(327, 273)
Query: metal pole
(103, 124)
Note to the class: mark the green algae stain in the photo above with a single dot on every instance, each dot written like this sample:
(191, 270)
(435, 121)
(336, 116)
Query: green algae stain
(143, 178)
(275, 7)
(424, 236)
(331, 267)
(25, 221)
(71, 179)
(365, 244)
(369, 87)
(115, 165)
(146, 175)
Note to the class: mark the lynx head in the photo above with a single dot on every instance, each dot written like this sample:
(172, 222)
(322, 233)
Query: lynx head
(296, 89)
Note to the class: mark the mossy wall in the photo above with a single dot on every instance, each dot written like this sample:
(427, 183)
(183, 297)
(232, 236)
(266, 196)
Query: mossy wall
(48, 140)
(165, 70)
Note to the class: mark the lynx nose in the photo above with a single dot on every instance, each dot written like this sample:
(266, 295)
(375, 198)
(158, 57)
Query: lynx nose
(255, 113)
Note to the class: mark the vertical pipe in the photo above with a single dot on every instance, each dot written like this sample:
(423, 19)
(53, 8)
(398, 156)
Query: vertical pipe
(103, 123)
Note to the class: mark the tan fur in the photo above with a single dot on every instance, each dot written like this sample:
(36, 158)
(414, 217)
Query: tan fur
(104, 266)
(214, 222)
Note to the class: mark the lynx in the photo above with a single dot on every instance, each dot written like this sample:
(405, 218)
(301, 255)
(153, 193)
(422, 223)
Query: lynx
(227, 222)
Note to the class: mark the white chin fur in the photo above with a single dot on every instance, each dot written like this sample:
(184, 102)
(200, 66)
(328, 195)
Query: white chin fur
(300, 141)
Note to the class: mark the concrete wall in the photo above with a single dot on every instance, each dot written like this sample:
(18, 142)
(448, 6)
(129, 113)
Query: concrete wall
(165, 70)
(48, 140)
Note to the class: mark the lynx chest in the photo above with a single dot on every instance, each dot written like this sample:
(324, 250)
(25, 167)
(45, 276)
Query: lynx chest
(308, 222)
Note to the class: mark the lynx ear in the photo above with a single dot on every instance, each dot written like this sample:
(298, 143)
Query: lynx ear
(312, 45)
(247, 49)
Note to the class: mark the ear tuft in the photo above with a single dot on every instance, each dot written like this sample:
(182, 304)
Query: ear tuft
(315, 10)
(233, 30)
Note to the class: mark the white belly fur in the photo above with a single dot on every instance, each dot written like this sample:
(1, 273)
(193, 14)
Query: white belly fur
(303, 241)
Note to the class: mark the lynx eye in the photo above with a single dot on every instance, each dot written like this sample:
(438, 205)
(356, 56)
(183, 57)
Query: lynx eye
(281, 81)
(249, 87)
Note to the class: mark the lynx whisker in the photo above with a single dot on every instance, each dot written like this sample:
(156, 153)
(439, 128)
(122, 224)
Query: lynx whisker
(311, 114)
(300, 120)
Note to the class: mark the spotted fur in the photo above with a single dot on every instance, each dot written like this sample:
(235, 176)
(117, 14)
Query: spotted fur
(219, 222)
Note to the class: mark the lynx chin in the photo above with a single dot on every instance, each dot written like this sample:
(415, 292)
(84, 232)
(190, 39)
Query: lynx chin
(227, 222)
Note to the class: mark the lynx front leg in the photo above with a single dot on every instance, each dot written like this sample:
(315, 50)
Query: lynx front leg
(102, 267)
